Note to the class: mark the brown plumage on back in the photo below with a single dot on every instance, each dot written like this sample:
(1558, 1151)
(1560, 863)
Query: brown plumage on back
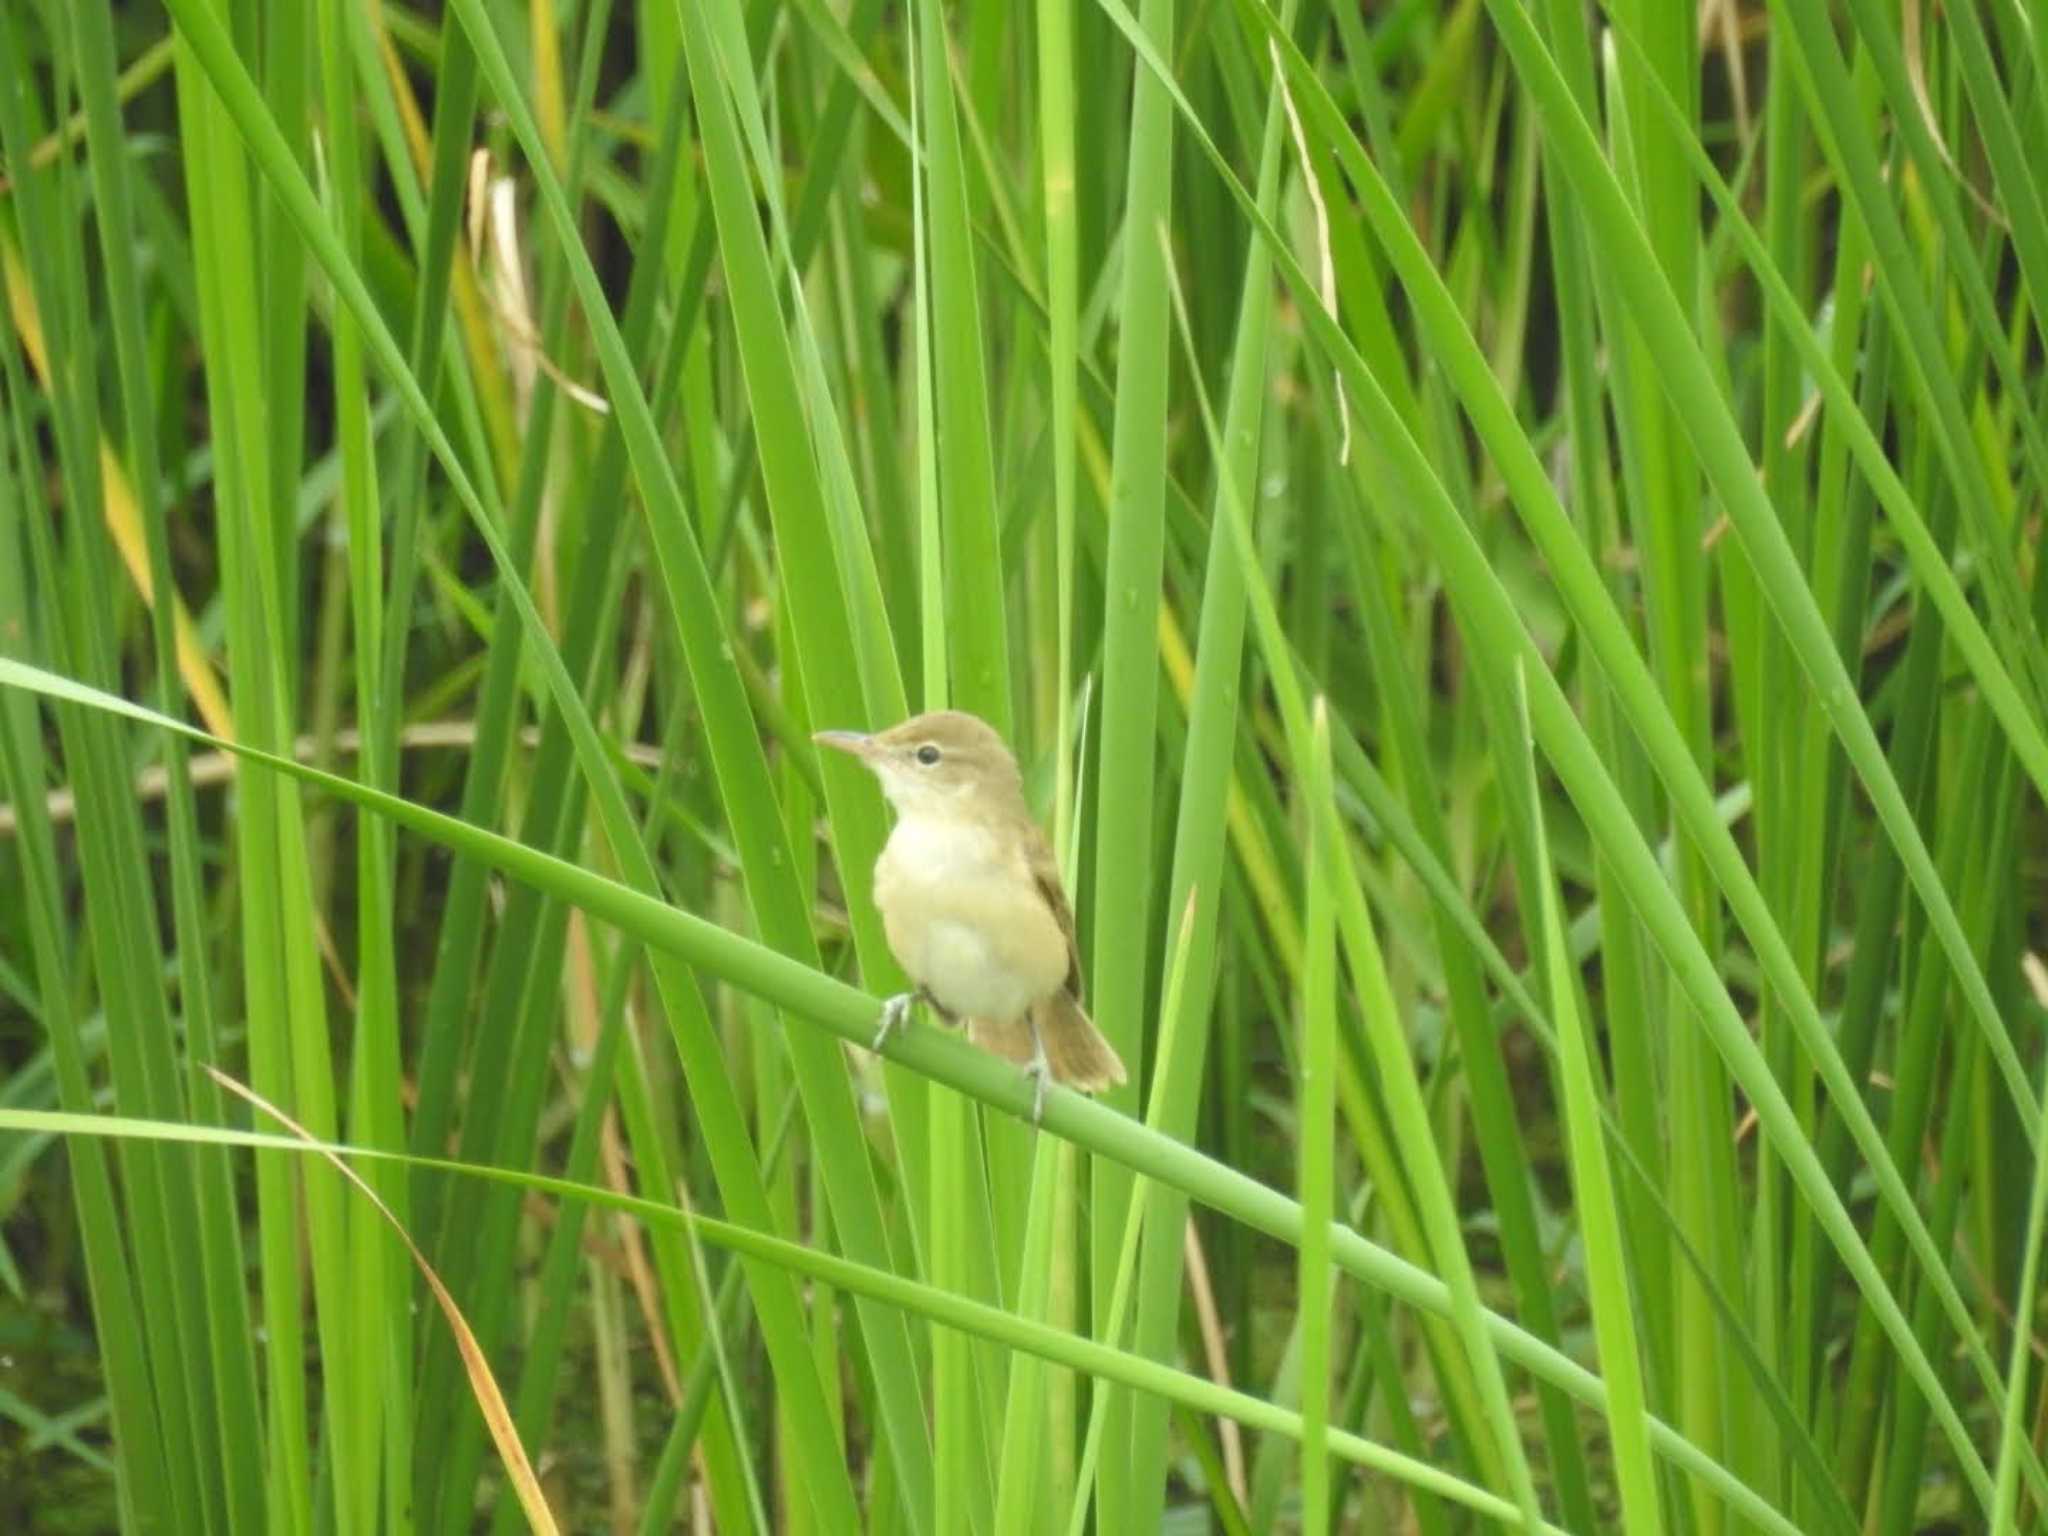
(971, 899)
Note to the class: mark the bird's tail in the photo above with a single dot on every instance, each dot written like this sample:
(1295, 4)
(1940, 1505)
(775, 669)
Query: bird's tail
(1079, 1055)
(1081, 1058)
(1011, 1041)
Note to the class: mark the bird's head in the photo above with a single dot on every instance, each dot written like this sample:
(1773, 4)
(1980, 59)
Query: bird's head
(936, 764)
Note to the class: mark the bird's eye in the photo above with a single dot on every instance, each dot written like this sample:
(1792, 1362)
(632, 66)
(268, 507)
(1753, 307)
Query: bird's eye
(927, 754)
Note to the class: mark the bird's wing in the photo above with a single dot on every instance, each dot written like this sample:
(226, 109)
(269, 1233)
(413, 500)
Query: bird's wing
(1045, 871)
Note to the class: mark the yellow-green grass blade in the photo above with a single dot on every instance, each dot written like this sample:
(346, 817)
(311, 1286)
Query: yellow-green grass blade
(506, 1081)
(1477, 384)
(1419, 825)
(1117, 914)
(220, 1246)
(796, 1371)
(381, 1275)
(178, 1302)
(1021, 1481)
(841, 1010)
(1110, 1328)
(808, 534)
(1203, 787)
(1586, 936)
(1063, 298)
(1639, 694)
(1981, 654)
(1598, 801)
(976, 636)
(1599, 1216)
(2013, 1431)
(943, 1308)
(1316, 1177)
(289, 1049)
(955, 501)
(534, 1403)
(143, 1480)
(1395, 1068)
(1663, 512)
(1592, 788)
(1972, 831)
(1684, 373)
(1826, 85)
(1627, 968)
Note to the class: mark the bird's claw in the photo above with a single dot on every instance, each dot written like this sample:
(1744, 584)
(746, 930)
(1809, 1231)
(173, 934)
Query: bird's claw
(894, 1012)
(1038, 1073)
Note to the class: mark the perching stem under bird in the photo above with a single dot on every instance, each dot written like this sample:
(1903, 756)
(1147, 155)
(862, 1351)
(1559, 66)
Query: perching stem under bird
(972, 903)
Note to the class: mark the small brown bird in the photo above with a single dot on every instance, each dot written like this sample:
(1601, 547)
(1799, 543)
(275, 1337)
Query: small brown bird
(971, 900)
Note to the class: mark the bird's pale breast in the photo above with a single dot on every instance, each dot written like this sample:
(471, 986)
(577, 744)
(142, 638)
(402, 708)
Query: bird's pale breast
(966, 919)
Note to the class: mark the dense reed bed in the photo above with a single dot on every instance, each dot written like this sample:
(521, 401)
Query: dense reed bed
(1505, 537)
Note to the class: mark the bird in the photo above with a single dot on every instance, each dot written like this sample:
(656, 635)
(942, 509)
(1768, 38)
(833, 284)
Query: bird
(972, 903)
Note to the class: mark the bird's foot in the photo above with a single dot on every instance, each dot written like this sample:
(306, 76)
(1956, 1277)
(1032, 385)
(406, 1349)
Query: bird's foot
(1038, 1072)
(894, 1012)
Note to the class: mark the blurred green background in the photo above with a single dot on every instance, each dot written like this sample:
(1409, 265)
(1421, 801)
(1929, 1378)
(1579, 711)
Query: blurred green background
(1504, 535)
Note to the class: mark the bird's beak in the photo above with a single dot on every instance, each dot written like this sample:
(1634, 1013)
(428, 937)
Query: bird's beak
(855, 743)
